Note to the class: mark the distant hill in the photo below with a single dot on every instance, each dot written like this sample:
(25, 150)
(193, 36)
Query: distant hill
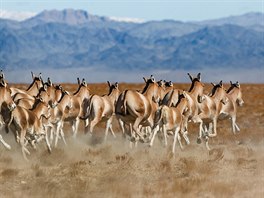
(77, 39)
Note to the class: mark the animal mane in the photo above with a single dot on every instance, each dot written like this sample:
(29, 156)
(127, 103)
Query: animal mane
(146, 87)
(31, 85)
(193, 82)
(231, 88)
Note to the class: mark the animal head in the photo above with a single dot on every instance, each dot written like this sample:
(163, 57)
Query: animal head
(152, 89)
(37, 80)
(197, 85)
(236, 88)
(168, 84)
(149, 80)
(219, 92)
(5, 93)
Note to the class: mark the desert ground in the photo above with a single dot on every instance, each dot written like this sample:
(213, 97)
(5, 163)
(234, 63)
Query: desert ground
(88, 167)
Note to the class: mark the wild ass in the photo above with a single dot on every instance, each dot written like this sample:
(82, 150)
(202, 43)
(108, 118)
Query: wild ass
(77, 103)
(102, 109)
(7, 105)
(58, 115)
(229, 110)
(137, 109)
(27, 125)
(32, 90)
(171, 119)
(210, 109)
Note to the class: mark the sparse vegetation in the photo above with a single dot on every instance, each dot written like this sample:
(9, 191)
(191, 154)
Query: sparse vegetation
(88, 167)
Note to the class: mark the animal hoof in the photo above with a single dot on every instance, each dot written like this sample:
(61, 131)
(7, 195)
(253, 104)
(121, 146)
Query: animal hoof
(8, 147)
(199, 141)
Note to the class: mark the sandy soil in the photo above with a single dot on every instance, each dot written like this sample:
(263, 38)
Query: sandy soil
(87, 167)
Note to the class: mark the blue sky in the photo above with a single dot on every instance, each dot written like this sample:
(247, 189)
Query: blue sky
(186, 10)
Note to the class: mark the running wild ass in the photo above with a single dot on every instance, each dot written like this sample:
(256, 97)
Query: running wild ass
(229, 110)
(102, 108)
(135, 108)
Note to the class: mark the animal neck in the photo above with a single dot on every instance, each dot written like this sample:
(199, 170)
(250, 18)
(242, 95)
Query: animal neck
(38, 110)
(82, 93)
(233, 94)
(182, 105)
(195, 90)
(113, 95)
(150, 92)
(64, 100)
(33, 89)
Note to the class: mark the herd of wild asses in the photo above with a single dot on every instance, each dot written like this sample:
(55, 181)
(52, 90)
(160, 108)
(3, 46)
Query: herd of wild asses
(40, 112)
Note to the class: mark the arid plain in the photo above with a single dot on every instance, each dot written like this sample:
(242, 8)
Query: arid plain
(87, 167)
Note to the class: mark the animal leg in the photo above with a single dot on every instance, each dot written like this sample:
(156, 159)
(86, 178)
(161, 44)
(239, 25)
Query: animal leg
(76, 128)
(234, 125)
(237, 128)
(165, 134)
(153, 136)
(136, 127)
(112, 131)
(184, 134)
(62, 136)
(73, 126)
(175, 139)
(201, 130)
(108, 124)
(121, 124)
(47, 142)
(22, 143)
(51, 137)
(58, 128)
(4, 143)
(179, 140)
(207, 142)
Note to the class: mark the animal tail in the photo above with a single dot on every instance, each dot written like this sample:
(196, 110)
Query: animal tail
(157, 116)
(164, 115)
(86, 108)
(122, 107)
(8, 123)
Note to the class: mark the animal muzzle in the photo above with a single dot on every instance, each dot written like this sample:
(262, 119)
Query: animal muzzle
(240, 103)
(224, 101)
(12, 106)
(200, 98)
(53, 105)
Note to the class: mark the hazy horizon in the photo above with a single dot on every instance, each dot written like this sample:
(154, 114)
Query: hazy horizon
(189, 10)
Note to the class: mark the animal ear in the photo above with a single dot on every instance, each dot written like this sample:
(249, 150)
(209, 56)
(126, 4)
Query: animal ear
(45, 87)
(190, 76)
(49, 81)
(78, 81)
(199, 76)
(170, 83)
(145, 79)
(116, 84)
(212, 84)
(84, 82)
(152, 78)
(33, 75)
(40, 75)
(184, 93)
(109, 84)
(2, 74)
(237, 84)
(2, 82)
(221, 83)
(231, 82)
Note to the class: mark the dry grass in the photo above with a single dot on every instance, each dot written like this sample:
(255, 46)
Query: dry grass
(89, 167)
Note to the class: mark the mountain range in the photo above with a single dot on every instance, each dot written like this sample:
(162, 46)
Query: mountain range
(77, 39)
